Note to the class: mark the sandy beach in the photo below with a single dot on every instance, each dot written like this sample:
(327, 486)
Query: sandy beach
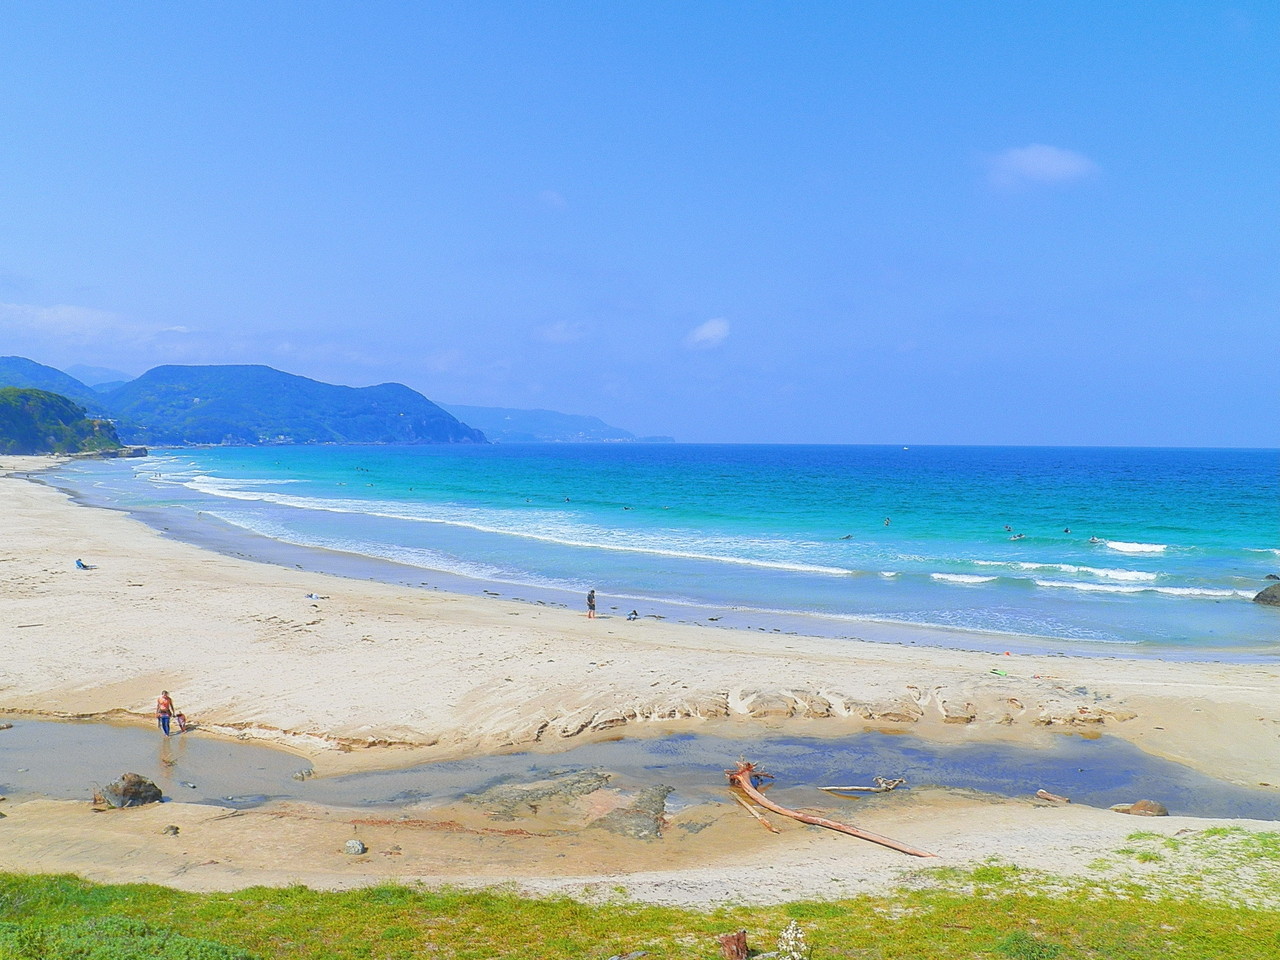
(359, 675)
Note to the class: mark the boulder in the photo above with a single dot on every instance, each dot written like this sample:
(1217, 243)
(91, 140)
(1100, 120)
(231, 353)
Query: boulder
(354, 847)
(131, 790)
(1269, 596)
(1271, 576)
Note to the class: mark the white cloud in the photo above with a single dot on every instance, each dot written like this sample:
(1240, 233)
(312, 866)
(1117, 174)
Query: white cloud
(707, 335)
(1039, 163)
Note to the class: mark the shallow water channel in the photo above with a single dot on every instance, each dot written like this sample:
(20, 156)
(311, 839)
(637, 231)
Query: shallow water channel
(67, 759)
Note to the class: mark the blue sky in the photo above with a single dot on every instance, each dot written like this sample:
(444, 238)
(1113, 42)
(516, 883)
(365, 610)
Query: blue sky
(1028, 223)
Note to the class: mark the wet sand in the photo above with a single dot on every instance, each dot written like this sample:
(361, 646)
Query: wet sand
(374, 675)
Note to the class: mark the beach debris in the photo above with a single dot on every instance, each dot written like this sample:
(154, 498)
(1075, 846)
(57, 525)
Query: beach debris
(743, 778)
(6, 726)
(354, 847)
(171, 830)
(733, 946)
(755, 813)
(306, 774)
(1143, 808)
(131, 790)
(1046, 795)
(188, 784)
(882, 785)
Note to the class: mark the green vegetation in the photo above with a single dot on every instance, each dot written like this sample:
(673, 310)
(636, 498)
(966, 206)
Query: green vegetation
(996, 911)
(248, 405)
(256, 404)
(21, 372)
(36, 421)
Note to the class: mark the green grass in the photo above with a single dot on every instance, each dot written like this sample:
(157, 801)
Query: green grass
(1217, 908)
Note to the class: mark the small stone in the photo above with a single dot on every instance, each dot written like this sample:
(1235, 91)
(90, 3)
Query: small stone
(354, 847)
(6, 726)
(171, 830)
(303, 774)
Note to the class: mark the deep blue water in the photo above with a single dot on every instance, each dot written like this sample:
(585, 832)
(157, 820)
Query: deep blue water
(1127, 551)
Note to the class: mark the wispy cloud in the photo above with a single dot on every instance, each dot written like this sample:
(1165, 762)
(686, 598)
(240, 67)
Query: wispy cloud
(1039, 163)
(552, 199)
(562, 331)
(707, 335)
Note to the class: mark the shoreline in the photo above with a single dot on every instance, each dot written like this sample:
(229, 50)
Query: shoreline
(373, 675)
(212, 534)
(182, 520)
(443, 675)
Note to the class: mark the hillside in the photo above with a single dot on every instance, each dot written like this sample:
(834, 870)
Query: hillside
(21, 372)
(506, 425)
(37, 421)
(257, 404)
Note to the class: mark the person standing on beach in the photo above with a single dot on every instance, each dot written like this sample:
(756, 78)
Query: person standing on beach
(591, 604)
(164, 710)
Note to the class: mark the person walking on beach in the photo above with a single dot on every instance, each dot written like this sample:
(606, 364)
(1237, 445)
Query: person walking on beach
(591, 604)
(164, 710)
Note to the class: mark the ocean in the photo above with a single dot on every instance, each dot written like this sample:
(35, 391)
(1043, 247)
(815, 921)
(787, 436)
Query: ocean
(1095, 551)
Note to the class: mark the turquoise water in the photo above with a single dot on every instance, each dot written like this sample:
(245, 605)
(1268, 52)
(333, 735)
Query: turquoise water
(1118, 551)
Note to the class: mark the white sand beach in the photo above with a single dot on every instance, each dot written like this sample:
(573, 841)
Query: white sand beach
(371, 675)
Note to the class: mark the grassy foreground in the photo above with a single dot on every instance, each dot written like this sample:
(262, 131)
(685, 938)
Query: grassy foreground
(994, 911)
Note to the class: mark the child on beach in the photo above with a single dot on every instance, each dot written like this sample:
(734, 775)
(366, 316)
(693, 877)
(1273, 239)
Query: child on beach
(591, 604)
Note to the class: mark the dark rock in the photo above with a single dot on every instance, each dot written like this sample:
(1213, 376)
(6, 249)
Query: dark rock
(1270, 596)
(354, 847)
(171, 830)
(644, 819)
(1271, 576)
(131, 790)
(6, 726)
(505, 801)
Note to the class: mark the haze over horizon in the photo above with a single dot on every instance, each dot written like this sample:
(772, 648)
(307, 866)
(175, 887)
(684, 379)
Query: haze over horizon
(985, 223)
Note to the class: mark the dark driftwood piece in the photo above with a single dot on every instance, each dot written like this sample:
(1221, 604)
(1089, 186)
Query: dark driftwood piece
(742, 779)
(733, 946)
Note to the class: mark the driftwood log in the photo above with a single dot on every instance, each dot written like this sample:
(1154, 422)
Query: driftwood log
(883, 785)
(743, 778)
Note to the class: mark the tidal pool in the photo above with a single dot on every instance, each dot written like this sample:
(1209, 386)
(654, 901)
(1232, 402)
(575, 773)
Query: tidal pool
(67, 760)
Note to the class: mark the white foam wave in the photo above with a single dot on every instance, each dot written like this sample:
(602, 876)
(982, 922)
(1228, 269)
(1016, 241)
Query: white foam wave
(407, 556)
(889, 573)
(1109, 573)
(618, 541)
(1126, 547)
(1209, 592)
(961, 578)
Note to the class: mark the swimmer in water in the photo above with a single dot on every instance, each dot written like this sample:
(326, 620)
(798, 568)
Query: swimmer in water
(886, 521)
(1094, 540)
(1017, 536)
